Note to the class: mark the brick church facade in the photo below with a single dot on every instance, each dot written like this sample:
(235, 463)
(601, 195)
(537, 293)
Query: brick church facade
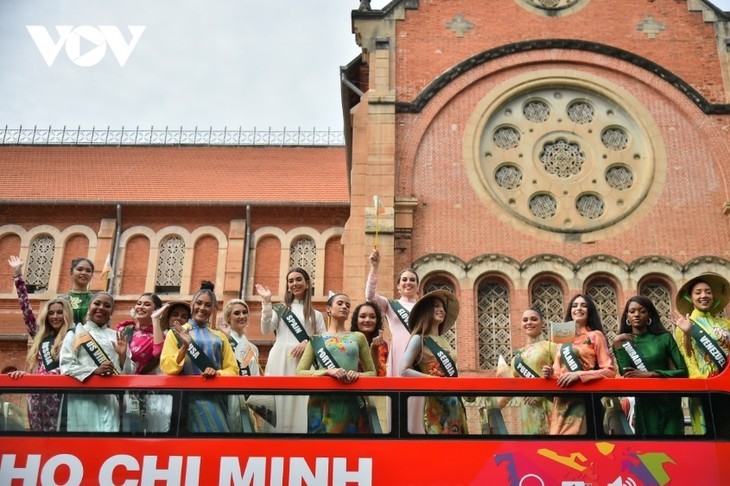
(524, 150)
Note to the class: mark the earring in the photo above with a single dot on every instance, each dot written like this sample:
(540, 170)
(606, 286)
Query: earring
(648, 323)
(627, 322)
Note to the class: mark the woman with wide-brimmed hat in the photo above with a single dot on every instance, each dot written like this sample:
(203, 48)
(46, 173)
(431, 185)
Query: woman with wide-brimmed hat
(703, 339)
(429, 354)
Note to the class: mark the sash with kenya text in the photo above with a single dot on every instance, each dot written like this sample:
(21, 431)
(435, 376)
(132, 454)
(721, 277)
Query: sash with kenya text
(702, 334)
(401, 312)
(292, 322)
(444, 359)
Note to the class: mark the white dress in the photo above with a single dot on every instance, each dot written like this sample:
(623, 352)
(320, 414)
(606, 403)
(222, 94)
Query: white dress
(291, 410)
(90, 412)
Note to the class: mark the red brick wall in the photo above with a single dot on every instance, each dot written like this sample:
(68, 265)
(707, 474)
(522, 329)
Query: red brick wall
(426, 48)
(136, 257)
(334, 267)
(9, 245)
(205, 262)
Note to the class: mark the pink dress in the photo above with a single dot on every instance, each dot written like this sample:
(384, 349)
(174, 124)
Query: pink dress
(399, 340)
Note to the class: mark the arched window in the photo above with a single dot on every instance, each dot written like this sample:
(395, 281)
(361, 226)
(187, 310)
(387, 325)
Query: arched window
(443, 285)
(170, 265)
(40, 261)
(303, 253)
(660, 295)
(493, 317)
(604, 296)
(548, 297)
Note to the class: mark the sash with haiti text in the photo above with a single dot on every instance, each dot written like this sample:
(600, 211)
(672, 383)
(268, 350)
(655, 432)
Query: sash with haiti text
(634, 355)
(87, 341)
(49, 363)
(291, 321)
(197, 355)
(702, 334)
(522, 368)
(442, 356)
(569, 358)
(401, 312)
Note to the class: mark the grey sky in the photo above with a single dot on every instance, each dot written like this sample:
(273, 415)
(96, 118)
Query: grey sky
(247, 63)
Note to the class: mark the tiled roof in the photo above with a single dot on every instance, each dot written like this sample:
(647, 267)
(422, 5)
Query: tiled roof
(197, 175)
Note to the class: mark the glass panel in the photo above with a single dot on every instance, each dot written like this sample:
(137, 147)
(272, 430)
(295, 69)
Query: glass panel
(40, 261)
(494, 331)
(652, 415)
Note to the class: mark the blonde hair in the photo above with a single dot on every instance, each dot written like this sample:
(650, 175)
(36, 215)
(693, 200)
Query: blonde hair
(228, 309)
(46, 330)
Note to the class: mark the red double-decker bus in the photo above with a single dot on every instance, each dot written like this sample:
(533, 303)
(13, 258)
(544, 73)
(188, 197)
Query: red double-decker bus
(170, 454)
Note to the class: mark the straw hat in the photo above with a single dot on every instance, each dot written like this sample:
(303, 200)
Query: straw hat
(450, 303)
(165, 316)
(720, 291)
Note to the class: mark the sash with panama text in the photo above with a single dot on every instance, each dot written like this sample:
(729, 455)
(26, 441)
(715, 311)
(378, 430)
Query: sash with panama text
(87, 341)
(291, 321)
(401, 312)
(702, 332)
(634, 355)
(569, 358)
(49, 363)
(522, 369)
(445, 362)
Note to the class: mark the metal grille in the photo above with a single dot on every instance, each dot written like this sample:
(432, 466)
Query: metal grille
(494, 330)
(170, 265)
(40, 261)
(604, 296)
(615, 138)
(581, 112)
(543, 206)
(562, 159)
(659, 294)
(620, 177)
(441, 285)
(509, 177)
(536, 111)
(167, 136)
(506, 138)
(590, 206)
(303, 253)
(548, 297)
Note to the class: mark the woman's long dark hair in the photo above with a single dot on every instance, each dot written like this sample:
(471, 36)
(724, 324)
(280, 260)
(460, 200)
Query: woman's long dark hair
(378, 320)
(654, 325)
(594, 318)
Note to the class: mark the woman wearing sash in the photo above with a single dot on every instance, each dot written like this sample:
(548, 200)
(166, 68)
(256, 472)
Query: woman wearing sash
(704, 340)
(235, 323)
(429, 354)
(94, 349)
(644, 349)
(337, 353)
(396, 313)
(196, 349)
(586, 359)
(293, 321)
(528, 362)
(368, 320)
(79, 296)
(55, 319)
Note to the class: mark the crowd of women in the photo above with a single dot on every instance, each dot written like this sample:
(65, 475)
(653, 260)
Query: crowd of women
(74, 335)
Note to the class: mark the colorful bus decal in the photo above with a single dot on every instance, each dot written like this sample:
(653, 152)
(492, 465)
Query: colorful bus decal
(186, 462)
